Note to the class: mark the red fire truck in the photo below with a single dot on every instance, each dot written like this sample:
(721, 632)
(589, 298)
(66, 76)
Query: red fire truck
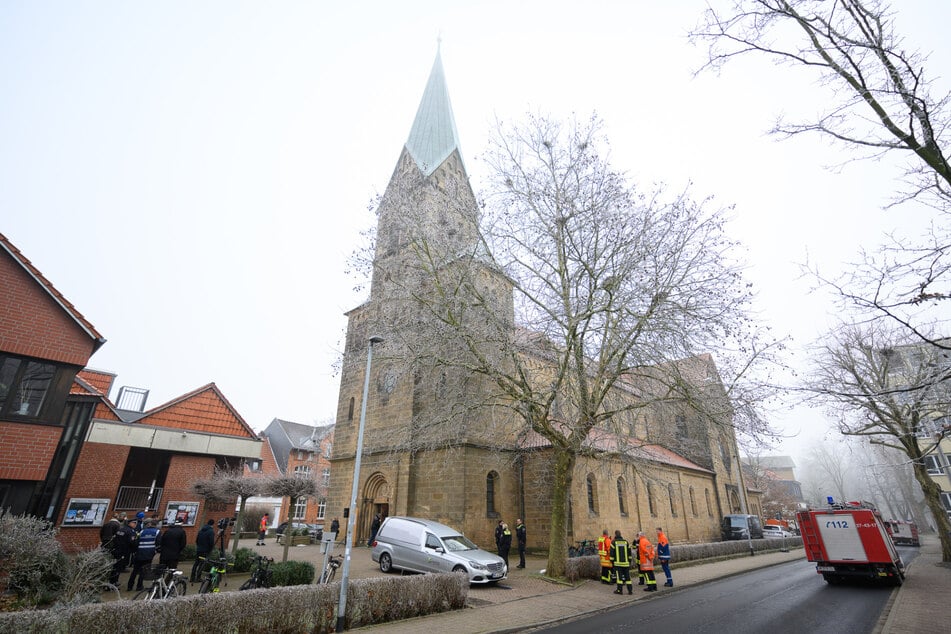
(849, 541)
(903, 533)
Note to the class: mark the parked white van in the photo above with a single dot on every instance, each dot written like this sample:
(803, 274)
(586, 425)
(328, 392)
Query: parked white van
(419, 545)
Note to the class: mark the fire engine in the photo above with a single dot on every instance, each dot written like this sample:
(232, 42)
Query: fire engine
(903, 533)
(849, 541)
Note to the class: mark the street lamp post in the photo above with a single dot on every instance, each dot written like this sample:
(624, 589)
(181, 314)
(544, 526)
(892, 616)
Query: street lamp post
(342, 601)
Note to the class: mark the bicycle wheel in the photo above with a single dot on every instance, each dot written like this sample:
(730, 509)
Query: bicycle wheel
(145, 595)
(178, 589)
(250, 584)
(205, 586)
(329, 574)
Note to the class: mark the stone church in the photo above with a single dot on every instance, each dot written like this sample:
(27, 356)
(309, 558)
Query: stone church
(482, 469)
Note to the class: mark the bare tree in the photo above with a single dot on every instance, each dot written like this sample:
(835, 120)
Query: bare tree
(882, 388)
(292, 487)
(881, 102)
(581, 307)
(230, 486)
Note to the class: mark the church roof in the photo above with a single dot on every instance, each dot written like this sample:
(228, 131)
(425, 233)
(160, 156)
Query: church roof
(434, 136)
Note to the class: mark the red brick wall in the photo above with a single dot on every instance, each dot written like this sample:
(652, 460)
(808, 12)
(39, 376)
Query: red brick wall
(33, 324)
(97, 474)
(26, 450)
(183, 471)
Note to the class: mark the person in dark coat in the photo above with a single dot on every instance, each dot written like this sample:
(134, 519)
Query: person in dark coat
(505, 543)
(498, 537)
(171, 544)
(121, 544)
(204, 543)
(520, 536)
(374, 528)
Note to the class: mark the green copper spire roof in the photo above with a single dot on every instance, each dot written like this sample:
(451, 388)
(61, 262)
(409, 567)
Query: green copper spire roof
(434, 136)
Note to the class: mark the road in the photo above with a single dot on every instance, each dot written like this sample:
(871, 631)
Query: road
(786, 598)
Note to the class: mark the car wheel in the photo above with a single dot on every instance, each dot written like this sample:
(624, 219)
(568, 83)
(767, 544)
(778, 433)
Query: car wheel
(460, 568)
(386, 563)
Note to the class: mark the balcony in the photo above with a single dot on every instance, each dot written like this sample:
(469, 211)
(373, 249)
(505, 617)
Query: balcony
(137, 498)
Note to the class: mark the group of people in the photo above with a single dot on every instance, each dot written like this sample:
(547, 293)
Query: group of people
(503, 541)
(618, 556)
(135, 542)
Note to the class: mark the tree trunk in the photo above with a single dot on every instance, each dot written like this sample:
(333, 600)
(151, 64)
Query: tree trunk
(236, 529)
(558, 539)
(933, 499)
(287, 529)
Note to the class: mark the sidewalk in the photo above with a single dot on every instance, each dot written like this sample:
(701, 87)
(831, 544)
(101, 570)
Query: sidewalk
(921, 604)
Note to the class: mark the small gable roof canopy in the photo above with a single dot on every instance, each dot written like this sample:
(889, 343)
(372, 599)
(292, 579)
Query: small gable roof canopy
(433, 136)
(55, 295)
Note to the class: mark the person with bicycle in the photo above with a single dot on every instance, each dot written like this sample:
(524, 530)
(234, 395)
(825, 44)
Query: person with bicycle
(204, 543)
(143, 554)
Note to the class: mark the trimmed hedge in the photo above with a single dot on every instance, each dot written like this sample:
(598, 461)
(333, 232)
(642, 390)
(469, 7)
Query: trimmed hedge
(589, 567)
(310, 608)
(292, 573)
(243, 560)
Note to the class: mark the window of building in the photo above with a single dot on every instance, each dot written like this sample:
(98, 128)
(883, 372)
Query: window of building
(706, 494)
(650, 500)
(24, 386)
(328, 450)
(302, 471)
(326, 476)
(620, 497)
(946, 501)
(681, 422)
(254, 465)
(670, 495)
(491, 484)
(321, 508)
(300, 508)
(693, 502)
(933, 465)
(350, 409)
(301, 454)
(592, 489)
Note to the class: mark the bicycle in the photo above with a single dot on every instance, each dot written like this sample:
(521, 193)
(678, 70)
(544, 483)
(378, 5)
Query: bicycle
(331, 569)
(261, 575)
(166, 583)
(213, 575)
(585, 548)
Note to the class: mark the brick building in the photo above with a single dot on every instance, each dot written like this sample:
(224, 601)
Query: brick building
(70, 454)
(44, 342)
(304, 451)
(451, 453)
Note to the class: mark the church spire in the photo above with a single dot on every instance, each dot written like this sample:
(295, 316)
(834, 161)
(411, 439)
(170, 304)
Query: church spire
(434, 136)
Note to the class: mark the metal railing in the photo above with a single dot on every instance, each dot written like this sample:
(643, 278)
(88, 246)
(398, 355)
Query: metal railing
(137, 498)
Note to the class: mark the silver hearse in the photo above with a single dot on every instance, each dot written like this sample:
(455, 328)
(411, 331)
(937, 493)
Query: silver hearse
(419, 545)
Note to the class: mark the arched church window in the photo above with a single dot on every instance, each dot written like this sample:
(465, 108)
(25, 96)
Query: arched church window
(491, 485)
(620, 497)
(650, 500)
(670, 494)
(693, 502)
(350, 409)
(592, 486)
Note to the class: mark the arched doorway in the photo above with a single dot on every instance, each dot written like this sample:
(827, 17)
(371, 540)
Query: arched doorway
(375, 500)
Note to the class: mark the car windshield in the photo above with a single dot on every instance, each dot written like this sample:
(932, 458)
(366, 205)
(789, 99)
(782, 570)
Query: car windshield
(738, 522)
(457, 543)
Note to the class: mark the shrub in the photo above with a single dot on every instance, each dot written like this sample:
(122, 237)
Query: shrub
(309, 608)
(34, 568)
(189, 552)
(244, 560)
(292, 573)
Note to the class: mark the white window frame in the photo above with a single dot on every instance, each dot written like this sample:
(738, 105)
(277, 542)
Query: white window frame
(322, 508)
(300, 508)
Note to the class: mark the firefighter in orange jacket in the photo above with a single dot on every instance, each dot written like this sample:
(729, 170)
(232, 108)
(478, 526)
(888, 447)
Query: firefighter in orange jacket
(604, 554)
(645, 556)
(621, 560)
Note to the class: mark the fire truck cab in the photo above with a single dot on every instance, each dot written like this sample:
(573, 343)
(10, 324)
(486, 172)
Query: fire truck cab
(849, 541)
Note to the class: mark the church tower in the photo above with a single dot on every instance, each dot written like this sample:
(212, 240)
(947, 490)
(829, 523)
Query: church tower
(428, 207)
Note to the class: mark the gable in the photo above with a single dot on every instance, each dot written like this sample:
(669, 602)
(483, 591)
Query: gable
(35, 319)
(205, 410)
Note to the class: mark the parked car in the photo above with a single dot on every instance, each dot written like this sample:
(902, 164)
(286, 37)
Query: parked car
(419, 545)
(738, 526)
(315, 531)
(770, 531)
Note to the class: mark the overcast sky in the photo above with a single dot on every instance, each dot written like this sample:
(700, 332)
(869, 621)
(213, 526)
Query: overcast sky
(193, 175)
